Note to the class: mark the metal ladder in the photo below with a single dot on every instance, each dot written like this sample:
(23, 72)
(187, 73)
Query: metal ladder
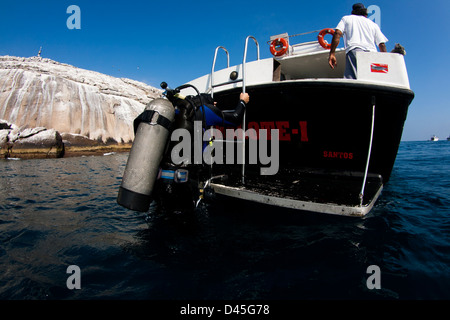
(244, 83)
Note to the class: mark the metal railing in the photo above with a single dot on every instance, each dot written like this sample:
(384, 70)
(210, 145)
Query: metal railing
(244, 72)
(369, 152)
(214, 65)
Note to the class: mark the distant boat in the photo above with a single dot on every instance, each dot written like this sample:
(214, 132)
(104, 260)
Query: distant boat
(435, 138)
(448, 138)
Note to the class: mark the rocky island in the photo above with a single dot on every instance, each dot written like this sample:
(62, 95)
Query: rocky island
(52, 109)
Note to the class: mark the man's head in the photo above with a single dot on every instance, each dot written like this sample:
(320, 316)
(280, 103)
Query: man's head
(359, 10)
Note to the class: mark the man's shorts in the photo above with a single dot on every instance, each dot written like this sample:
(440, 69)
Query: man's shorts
(351, 64)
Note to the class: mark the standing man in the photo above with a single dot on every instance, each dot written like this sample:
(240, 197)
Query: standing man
(360, 34)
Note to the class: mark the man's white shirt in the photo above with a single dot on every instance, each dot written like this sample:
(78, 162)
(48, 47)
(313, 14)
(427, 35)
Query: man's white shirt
(360, 32)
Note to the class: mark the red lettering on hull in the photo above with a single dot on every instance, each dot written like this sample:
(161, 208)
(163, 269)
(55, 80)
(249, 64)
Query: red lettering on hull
(285, 133)
(338, 155)
(303, 131)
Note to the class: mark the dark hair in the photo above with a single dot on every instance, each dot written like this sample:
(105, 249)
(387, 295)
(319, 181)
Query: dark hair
(360, 12)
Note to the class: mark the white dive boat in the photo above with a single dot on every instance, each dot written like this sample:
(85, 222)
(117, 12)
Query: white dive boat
(338, 138)
(434, 138)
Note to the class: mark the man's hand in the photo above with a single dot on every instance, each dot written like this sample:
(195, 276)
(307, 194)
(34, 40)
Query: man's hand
(332, 60)
(244, 97)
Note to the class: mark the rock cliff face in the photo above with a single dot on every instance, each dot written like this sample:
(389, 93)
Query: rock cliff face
(36, 92)
(29, 143)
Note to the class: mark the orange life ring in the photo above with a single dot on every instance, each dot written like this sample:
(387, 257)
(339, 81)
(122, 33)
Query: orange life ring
(279, 46)
(321, 36)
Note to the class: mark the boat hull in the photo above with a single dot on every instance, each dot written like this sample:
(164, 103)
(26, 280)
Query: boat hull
(324, 138)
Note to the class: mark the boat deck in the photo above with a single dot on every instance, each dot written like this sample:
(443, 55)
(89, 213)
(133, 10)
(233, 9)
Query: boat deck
(316, 192)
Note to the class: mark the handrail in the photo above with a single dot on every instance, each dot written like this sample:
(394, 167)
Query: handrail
(214, 64)
(243, 91)
(300, 34)
(361, 194)
(245, 58)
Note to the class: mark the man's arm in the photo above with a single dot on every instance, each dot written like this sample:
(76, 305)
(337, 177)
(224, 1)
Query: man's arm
(382, 47)
(334, 43)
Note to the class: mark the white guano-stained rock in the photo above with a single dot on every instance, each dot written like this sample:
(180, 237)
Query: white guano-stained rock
(41, 93)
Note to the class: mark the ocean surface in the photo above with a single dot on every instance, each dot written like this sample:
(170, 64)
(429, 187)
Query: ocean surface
(56, 213)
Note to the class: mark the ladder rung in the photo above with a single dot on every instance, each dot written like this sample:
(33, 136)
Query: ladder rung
(225, 83)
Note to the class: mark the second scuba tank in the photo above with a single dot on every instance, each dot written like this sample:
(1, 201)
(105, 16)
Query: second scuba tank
(147, 151)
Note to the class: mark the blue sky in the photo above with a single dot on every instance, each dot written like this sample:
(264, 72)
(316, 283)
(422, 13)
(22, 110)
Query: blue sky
(174, 41)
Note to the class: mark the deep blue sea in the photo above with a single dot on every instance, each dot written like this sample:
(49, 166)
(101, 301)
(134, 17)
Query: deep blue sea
(55, 213)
